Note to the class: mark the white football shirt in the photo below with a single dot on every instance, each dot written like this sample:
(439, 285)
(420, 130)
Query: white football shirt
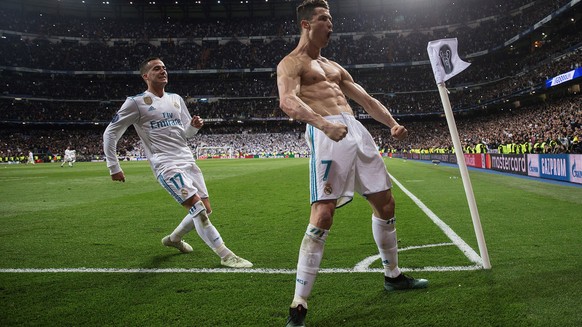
(163, 125)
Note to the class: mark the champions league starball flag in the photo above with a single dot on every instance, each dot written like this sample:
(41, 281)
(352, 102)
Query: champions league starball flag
(445, 64)
(444, 59)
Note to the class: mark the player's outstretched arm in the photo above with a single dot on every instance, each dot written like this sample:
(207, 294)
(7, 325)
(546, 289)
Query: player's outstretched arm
(127, 115)
(372, 106)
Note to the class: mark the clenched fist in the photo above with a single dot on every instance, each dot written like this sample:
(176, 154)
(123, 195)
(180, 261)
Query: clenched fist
(335, 131)
(398, 132)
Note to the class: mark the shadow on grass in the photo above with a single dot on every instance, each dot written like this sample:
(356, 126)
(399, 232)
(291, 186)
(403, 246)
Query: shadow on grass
(160, 260)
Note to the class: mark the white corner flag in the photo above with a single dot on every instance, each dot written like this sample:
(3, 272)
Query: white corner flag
(445, 64)
(444, 59)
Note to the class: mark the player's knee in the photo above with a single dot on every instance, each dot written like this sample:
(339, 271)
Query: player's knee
(388, 208)
(198, 210)
(322, 215)
(324, 219)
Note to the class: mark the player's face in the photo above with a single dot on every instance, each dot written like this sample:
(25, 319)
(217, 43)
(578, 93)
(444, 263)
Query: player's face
(320, 27)
(156, 73)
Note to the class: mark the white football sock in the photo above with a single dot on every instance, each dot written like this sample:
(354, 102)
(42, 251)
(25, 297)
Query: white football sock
(185, 226)
(207, 232)
(384, 232)
(310, 255)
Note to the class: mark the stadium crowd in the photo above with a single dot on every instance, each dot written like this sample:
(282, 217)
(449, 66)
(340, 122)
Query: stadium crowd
(498, 20)
(551, 127)
(49, 109)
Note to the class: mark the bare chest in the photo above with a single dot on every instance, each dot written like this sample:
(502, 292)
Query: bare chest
(319, 71)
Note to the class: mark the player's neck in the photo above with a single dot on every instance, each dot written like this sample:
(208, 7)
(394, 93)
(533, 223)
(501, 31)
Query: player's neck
(159, 92)
(308, 48)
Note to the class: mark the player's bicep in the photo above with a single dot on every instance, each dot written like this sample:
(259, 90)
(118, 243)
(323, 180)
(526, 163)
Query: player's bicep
(123, 118)
(126, 115)
(288, 78)
(352, 89)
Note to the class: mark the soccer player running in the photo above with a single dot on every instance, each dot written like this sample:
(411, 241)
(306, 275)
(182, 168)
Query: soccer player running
(164, 124)
(344, 157)
(70, 157)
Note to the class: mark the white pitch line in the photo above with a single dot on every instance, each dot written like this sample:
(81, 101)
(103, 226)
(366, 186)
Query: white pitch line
(365, 264)
(361, 267)
(456, 239)
(224, 270)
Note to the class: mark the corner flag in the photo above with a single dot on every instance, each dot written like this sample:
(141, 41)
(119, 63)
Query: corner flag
(444, 59)
(445, 64)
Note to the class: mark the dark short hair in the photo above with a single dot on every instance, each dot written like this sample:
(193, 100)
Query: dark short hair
(306, 8)
(144, 64)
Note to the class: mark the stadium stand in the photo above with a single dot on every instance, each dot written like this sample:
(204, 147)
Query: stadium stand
(62, 79)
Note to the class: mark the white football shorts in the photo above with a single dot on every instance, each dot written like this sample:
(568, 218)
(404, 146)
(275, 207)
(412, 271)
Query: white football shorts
(182, 181)
(338, 169)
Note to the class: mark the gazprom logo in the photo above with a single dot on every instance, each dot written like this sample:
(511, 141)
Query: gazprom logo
(446, 54)
(532, 169)
(554, 167)
(576, 173)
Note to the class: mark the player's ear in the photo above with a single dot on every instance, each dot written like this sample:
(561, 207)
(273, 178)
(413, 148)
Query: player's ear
(305, 24)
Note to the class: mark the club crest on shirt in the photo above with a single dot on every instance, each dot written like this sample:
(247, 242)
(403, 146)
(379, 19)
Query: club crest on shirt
(176, 105)
(327, 189)
(148, 100)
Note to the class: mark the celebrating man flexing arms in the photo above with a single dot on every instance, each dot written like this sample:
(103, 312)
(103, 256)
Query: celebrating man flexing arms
(344, 157)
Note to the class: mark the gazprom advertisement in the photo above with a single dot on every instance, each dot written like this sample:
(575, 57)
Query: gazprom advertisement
(562, 167)
(533, 165)
(555, 166)
(576, 168)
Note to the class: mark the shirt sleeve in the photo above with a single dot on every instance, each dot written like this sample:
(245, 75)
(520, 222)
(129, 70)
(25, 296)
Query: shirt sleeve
(186, 119)
(127, 115)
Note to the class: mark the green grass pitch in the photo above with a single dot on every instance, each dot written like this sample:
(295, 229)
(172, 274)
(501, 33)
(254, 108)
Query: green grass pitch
(77, 249)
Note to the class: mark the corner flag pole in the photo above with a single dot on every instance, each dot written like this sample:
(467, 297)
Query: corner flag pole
(465, 175)
(446, 64)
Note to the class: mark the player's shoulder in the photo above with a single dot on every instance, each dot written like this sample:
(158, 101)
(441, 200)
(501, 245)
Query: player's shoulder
(327, 60)
(137, 99)
(330, 62)
(173, 95)
(292, 64)
(141, 100)
(294, 57)
(134, 97)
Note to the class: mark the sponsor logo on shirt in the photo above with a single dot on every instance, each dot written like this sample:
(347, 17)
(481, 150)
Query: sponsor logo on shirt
(168, 120)
(165, 123)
